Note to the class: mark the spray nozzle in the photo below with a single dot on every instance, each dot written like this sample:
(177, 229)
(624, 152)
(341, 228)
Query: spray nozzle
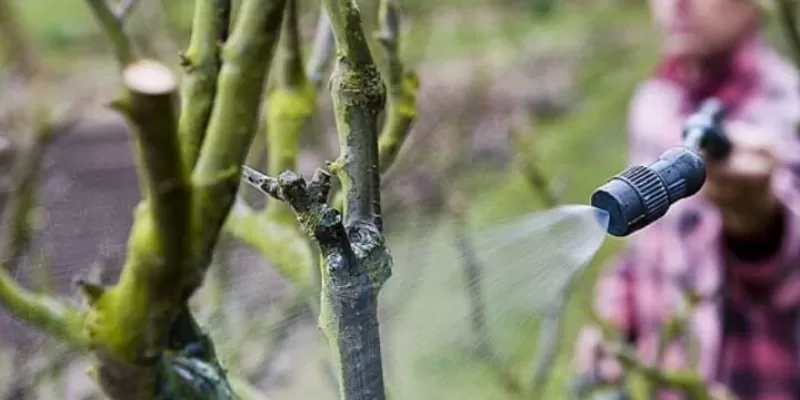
(640, 195)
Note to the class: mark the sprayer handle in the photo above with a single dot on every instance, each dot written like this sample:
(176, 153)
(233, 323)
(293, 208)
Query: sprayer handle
(703, 130)
(718, 146)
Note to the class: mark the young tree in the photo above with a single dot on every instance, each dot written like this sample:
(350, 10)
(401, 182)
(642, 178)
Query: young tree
(191, 139)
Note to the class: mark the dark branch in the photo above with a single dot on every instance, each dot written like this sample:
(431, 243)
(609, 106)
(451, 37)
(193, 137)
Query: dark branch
(358, 97)
(355, 265)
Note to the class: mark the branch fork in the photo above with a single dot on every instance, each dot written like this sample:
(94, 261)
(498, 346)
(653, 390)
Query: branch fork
(356, 263)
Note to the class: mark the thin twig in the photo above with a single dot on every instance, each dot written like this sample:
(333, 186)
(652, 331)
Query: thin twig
(292, 312)
(322, 50)
(787, 17)
(686, 381)
(402, 85)
(33, 372)
(124, 8)
(550, 333)
(46, 312)
(115, 29)
(485, 351)
(474, 280)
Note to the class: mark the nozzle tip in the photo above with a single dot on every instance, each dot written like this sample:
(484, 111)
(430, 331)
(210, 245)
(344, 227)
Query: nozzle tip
(610, 213)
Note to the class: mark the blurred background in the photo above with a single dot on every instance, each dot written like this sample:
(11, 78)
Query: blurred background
(522, 106)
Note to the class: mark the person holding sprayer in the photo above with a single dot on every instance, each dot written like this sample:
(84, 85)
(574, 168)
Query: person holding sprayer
(736, 244)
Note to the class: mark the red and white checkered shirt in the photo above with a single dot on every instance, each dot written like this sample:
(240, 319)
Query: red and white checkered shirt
(748, 329)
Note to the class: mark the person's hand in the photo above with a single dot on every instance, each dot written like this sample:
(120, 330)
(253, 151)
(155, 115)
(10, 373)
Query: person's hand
(740, 185)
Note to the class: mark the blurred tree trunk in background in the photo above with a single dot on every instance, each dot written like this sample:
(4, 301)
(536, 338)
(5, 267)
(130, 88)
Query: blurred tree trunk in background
(16, 44)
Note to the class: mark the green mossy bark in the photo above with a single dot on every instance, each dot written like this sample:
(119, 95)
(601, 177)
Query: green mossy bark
(289, 106)
(402, 85)
(282, 244)
(201, 63)
(176, 226)
(233, 122)
(350, 259)
(177, 223)
(50, 315)
(128, 323)
(288, 109)
(356, 261)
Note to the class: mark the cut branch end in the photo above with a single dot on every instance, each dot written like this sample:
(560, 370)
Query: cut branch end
(149, 77)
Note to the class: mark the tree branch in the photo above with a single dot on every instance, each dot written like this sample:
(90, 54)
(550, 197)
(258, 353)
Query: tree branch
(685, 380)
(21, 201)
(355, 265)
(402, 84)
(246, 56)
(155, 285)
(38, 369)
(113, 23)
(357, 261)
(473, 275)
(290, 104)
(148, 102)
(45, 312)
(550, 333)
(293, 309)
(358, 97)
(128, 324)
(201, 63)
(288, 108)
(282, 244)
(17, 42)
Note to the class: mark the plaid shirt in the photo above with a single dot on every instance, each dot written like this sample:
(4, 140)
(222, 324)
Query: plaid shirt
(750, 344)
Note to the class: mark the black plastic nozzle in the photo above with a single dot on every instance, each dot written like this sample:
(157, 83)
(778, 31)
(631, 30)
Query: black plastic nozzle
(640, 195)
